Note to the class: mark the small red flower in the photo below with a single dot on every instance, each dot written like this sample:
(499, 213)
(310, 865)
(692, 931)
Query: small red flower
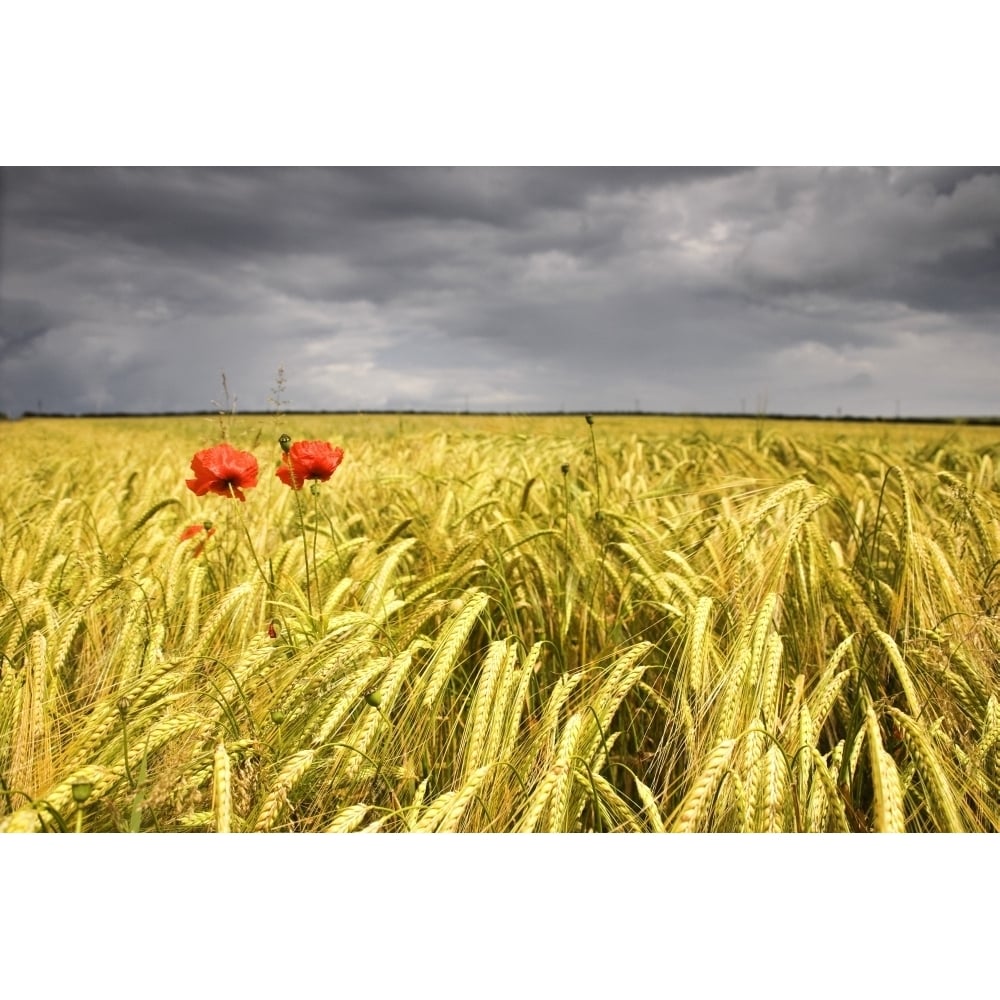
(193, 529)
(219, 469)
(308, 460)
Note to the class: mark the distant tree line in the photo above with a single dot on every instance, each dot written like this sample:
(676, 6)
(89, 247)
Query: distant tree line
(987, 421)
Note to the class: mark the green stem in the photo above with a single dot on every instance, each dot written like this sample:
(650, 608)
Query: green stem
(599, 521)
(597, 468)
(128, 772)
(315, 493)
(566, 515)
(253, 552)
(305, 547)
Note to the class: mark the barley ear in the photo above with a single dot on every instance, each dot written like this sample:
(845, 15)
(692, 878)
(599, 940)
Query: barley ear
(695, 807)
(222, 790)
(889, 814)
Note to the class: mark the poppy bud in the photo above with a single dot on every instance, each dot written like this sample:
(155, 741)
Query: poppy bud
(565, 468)
(589, 417)
(277, 717)
(286, 442)
(373, 698)
(272, 630)
(82, 790)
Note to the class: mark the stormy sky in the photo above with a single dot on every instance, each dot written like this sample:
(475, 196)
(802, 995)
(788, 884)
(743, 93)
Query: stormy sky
(870, 291)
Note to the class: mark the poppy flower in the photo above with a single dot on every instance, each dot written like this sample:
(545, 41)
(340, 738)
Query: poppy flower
(193, 529)
(308, 460)
(223, 469)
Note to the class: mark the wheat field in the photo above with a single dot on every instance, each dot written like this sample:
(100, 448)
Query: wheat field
(501, 624)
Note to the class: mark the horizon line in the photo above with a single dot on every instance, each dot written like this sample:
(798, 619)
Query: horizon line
(989, 420)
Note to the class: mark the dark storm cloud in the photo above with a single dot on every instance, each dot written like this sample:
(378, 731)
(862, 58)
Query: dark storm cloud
(207, 212)
(21, 324)
(508, 288)
(927, 240)
(498, 196)
(959, 281)
(14, 340)
(942, 180)
(257, 211)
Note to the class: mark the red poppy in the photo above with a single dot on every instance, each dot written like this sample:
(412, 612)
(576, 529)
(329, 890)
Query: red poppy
(308, 460)
(223, 470)
(191, 530)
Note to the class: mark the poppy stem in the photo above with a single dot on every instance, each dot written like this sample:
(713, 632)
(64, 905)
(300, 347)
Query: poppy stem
(315, 493)
(597, 467)
(600, 527)
(305, 547)
(253, 551)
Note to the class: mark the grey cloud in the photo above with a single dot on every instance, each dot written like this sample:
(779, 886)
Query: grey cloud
(857, 381)
(501, 196)
(264, 210)
(15, 340)
(942, 180)
(844, 233)
(521, 288)
(22, 324)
